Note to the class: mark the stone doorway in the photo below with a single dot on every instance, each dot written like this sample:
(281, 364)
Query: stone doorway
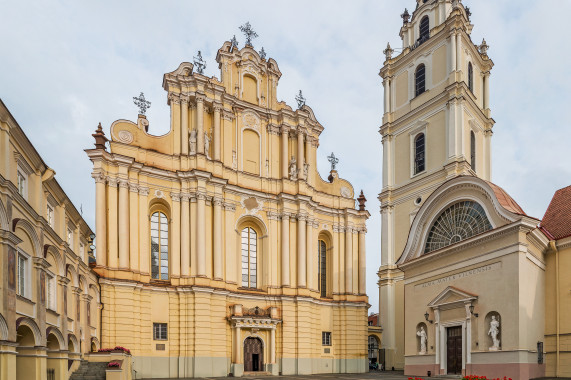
(253, 355)
(454, 350)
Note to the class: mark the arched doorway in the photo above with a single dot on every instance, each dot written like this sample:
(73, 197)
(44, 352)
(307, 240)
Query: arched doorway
(373, 351)
(26, 359)
(253, 355)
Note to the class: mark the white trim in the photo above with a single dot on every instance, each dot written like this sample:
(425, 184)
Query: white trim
(419, 127)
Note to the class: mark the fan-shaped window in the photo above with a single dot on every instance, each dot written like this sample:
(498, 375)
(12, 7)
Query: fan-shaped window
(159, 246)
(424, 29)
(419, 153)
(470, 77)
(473, 150)
(459, 222)
(322, 268)
(420, 80)
(249, 257)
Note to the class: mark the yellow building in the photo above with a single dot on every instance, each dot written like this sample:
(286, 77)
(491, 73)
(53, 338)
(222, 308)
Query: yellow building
(220, 249)
(49, 298)
(464, 270)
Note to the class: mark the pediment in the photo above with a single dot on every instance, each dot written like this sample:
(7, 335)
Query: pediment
(452, 297)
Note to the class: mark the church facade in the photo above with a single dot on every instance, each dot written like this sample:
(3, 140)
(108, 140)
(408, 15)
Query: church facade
(464, 269)
(220, 249)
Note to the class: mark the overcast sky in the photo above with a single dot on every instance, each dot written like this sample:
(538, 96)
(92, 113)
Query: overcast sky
(65, 66)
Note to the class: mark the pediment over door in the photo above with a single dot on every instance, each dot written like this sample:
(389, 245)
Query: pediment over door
(451, 298)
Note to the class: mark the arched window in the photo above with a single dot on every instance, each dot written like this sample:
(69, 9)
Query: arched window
(322, 249)
(470, 77)
(249, 257)
(420, 80)
(473, 150)
(159, 246)
(419, 153)
(458, 222)
(424, 30)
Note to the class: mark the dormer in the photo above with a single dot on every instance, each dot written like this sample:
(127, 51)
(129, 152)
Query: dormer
(247, 75)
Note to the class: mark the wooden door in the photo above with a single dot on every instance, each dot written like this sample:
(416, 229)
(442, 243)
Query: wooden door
(454, 350)
(253, 355)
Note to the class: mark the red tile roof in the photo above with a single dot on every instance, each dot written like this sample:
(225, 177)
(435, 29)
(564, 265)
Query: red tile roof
(505, 200)
(557, 218)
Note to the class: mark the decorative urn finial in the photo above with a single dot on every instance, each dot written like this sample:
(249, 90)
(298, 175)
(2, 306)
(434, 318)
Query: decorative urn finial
(405, 16)
(362, 200)
(483, 48)
(199, 63)
(388, 52)
(100, 138)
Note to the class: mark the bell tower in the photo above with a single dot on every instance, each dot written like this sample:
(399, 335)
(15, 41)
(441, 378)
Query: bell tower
(436, 126)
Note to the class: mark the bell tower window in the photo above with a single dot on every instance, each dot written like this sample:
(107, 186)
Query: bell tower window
(159, 246)
(419, 153)
(473, 150)
(470, 77)
(420, 80)
(424, 30)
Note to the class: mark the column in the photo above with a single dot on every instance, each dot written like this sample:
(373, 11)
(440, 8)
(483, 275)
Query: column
(362, 262)
(336, 280)
(459, 52)
(112, 231)
(237, 345)
(309, 253)
(100, 220)
(300, 155)
(487, 90)
(230, 249)
(200, 235)
(185, 235)
(453, 52)
(386, 84)
(217, 139)
(184, 124)
(487, 153)
(387, 235)
(437, 336)
(144, 231)
(285, 158)
(217, 243)
(200, 123)
(175, 236)
(348, 259)
(133, 227)
(285, 250)
(309, 159)
(468, 342)
(301, 255)
(174, 102)
(273, 345)
(123, 224)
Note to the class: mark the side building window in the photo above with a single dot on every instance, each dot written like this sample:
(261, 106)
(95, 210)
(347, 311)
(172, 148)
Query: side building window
(420, 80)
(473, 150)
(22, 275)
(249, 257)
(326, 338)
(419, 153)
(470, 77)
(160, 331)
(322, 248)
(22, 184)
(159, 246)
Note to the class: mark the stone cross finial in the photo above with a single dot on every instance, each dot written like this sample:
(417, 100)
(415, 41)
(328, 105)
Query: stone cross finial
(263, 53)
(388, 52)
(300, 100)
(249, 33)
(234, 42)
(333, 160)
(199, 63)
(142, 103)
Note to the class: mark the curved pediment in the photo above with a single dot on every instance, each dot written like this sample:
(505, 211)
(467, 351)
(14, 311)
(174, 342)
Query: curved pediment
(459, 210)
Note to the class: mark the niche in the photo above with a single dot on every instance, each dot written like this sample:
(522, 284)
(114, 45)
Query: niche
(493, 326)
(420, 336)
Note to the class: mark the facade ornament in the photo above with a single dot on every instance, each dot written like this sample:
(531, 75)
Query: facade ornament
(305, 170)
(300, 100)
(362, 200)
(207, 144)
(143, 191)
(333, 160)
(483, 48)
(100, 139)
(236, 90)
(272, 215)
(234, 160)
(293, 169)
(199, 63)
(192, 141)
(125, 137)
(124, 183)
(455, 4)
(267, 167)
(494, 332)
(262, 53)
(388, 52)
(175, 197)
(134, 188)
(468, 12)
(159, 194)
(423, 338)
(405, 17)
(233, 43)
(142, 103)
(113, 182)
(249, 33)
(99, 178)
(173, 98)
(251, 205)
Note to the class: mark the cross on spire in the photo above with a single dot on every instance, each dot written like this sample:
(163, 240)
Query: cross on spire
(199, 63)
(234, 42)
(333, 160)
(142, 103)
(300, 100)
(249, 33)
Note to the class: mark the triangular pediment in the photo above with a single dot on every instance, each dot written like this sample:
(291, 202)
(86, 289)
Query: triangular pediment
(452, 296)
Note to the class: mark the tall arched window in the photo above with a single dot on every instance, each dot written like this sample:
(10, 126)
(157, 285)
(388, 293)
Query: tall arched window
(322, 248)
(424, 29)
(159, 246)
(249, 257)
(419, 153)
(470, 77)
(420, 79)
(473, 150)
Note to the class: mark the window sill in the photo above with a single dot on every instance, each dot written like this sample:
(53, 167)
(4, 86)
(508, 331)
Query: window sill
(257, 290)
(160, 282)
(419, 95)
(25, 299)
(418, 174)
(52, 312)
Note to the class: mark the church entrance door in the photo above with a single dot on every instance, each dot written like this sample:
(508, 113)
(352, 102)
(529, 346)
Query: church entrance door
(454, 349)
(253, 355)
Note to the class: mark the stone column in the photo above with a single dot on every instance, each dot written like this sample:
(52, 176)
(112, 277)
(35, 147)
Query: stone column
(201, 235)
(217, 139)
(217, 243)
(174, 102)
(144, 231)
(437, 336)
(309, 159)
(112, 231)
(387, 85)
(100, 219)
(133, 227)
(453, 52)
(237, 345)
(285, 250)
(349, 259)
(336, 261)
(487, 155)
(300, 155)
(123, 224)
(459, 52)
(486, 91)
(309, 253)
(185, 235)
(175, 236)
(200, 124)
(362, 262)
(285, 142)
(301, 254)
(273, 345)
(184, 143)
(230, 249)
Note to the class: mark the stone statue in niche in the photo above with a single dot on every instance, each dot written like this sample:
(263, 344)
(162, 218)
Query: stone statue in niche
(207, 144)
(192, 141)
(305, 170)
(423, 338)
(494, 332)
(293, 169)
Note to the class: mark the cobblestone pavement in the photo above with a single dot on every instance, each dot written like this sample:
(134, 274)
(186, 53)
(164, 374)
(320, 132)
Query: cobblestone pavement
(384, 375)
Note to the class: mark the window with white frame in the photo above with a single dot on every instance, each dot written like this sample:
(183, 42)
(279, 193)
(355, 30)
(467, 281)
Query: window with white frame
(50, 215)
(326, 338)
(69, 237)
(160, 331)
(51, 291)
(22, 275)
(22, 183)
